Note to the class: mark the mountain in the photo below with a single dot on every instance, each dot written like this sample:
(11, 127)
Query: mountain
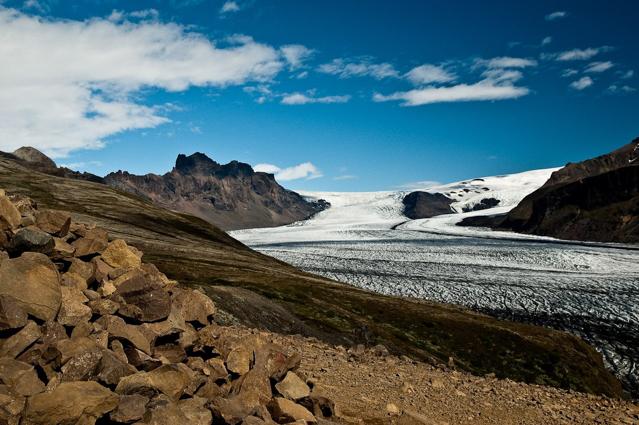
(593, 200)
(231, 196)
(426, 205)
(36, 160)
(259, 291)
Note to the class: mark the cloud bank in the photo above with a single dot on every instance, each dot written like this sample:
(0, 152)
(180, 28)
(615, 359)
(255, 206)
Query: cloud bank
(306, 170)
(72, 84)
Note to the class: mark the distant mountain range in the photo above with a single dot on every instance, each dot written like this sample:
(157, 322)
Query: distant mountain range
(230, 196)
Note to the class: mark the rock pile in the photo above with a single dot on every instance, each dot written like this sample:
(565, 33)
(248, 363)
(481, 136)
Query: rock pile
(91, 334)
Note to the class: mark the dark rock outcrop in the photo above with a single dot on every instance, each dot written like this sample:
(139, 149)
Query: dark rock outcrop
(231, 196)
(425, 205)
(484, 204)
(593, 200)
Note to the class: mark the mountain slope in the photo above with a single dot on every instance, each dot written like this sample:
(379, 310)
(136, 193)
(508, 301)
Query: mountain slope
(196, 253)
(231, 196)
(595, 200)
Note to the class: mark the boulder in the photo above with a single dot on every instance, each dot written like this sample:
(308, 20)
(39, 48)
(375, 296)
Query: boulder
(20, 377)
(9, 214)
(69, 401)
(73, 309)
(62, 249)
(239, 360)
(102, 269)
(193, 305)
(31, 239)
(56, 223)
(118, 328)
(170, 380)
(130, 408)
(17, 343)
(112, 368)
(195, 411)
(148, 301)
(12, 316)
(83, 269)
(285, 411)
(292, 387)
(83, 366)
(74, 280)
(85, 247)
(119, 254)
(33, 281)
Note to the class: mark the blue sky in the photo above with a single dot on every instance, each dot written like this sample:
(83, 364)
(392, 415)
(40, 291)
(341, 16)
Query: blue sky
(331, 95)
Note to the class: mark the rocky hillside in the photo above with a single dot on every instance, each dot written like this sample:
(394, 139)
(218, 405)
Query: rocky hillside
(91, 334)
(36, 160)
(258, 291)
(426, 205)
(593, 200)
(230, 196)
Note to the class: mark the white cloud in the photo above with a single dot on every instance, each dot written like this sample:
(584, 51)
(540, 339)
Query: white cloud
(582, 83)
(296, 54)
(556, 15)
(579, 54)
(483, 90)
(506, 62)
(230, 6)
(347, 68)
(621, 89)
(569, 72)
(40, 6)
(345, 177)
(419, 185)
(628, 74)
(306, 170)
(546, 41)
(303, 99)
(73, 84)
(426, 74)
(597, 67)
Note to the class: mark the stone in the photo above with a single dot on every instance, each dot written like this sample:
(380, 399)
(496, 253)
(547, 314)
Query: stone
(83, 366)
(31, 239)
(102, 269)
(112, 368)
(72, 347)
(17, 343)
(170, 380)
(69, 401)
(130, 408)
(85, 247)
(104, 307)
(195, 411)
(54, 222)
(392, 409)
(292, 387)
(86, 270)
(62, 249)
(73, 309)
(73, 280)
(284, 411)
(118, 254)
(152, 303)
(33, 281)
(12, 316)
(119, 329)
(239, 360)
(20, 377)
(162, 411)
(9, 214)
(193, 305)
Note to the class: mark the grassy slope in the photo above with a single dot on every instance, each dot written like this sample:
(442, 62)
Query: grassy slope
(196, 253)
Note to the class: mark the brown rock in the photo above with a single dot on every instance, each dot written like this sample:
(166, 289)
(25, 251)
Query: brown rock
(130, 408)
(193, 305)
(292, 387)
(33, 281)
(85, 247)
(104, 306)
(17, 343)
(84, 269)
(170, 380)
(62, 249)
(82, 366)
(20, 377)
(69, 401)
(56, 223)
(31, 239)
(119, 329)
(284, 411)
(73, 280)
(102, 269)
(119, 254)
(12, 316)
(72, 347)
(195, 411)
(73, 309)
(9, 214)
(112, 368)
(162, 411)
(239, 360)
(151, 302)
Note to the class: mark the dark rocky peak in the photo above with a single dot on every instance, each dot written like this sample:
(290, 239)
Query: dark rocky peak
(235, 168)
(34, 156)
(197, 163)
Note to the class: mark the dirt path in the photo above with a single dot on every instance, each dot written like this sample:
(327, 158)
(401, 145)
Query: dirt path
(370, 388)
